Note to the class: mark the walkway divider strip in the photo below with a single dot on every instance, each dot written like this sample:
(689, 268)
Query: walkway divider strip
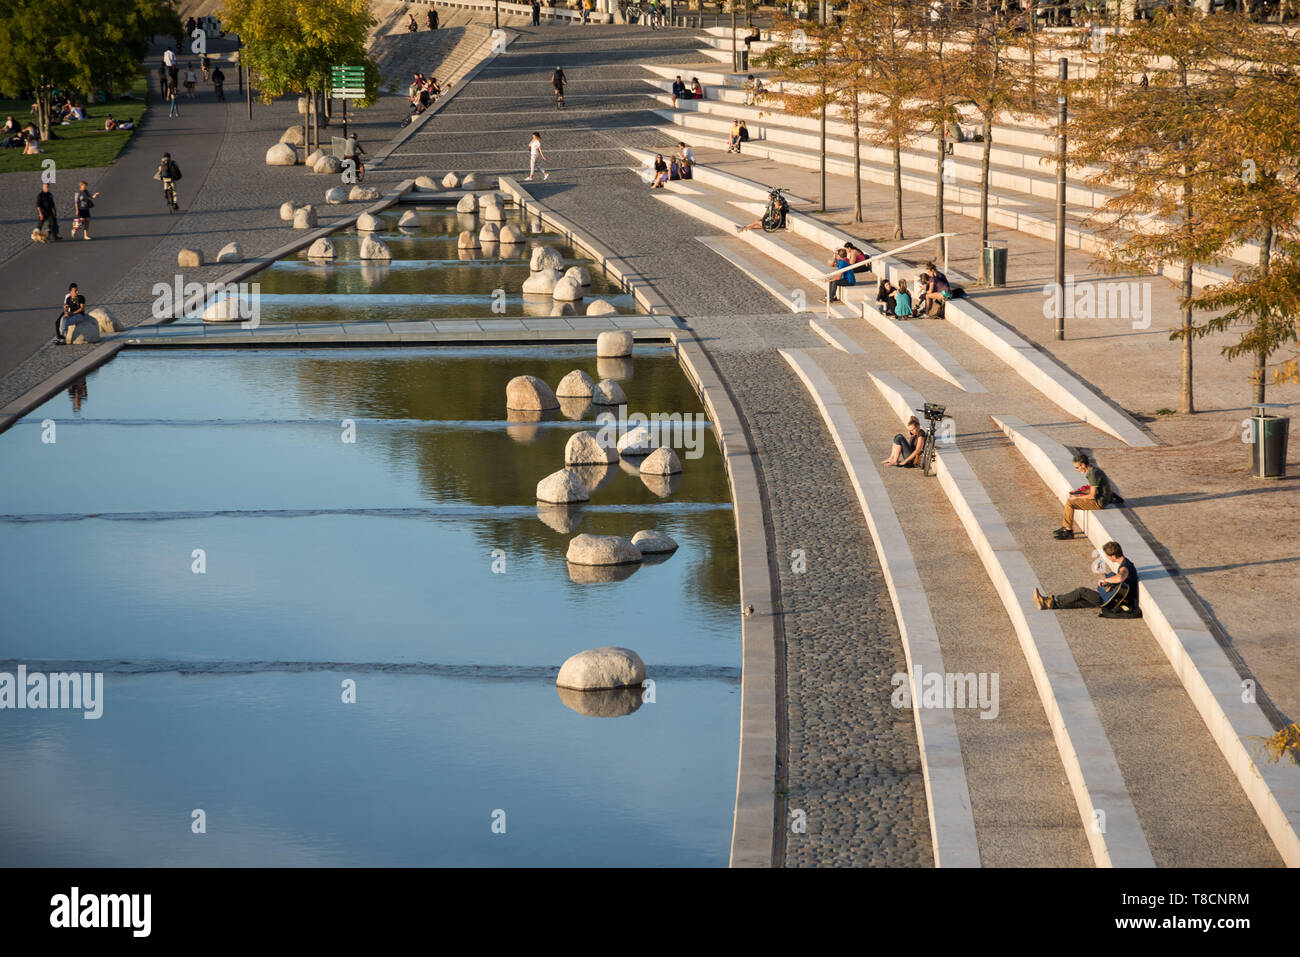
(921, 349)
(952, 823)
(1116, 839)
(1212, 683)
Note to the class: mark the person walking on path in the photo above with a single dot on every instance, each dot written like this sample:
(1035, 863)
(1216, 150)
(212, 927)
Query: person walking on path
(536, 157)
(191, 78)
(558, 80)
(162, 80)
(174, 108)
(46, 216)
(74, 304)
(218, 84)
(83, 200)
(537, 12)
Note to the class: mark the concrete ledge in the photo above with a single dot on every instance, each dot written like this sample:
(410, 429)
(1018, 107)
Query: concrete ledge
(1086, 755)
(1207, 674)
(923, 350)
(835, 336)
(952, 825)
(753, 833)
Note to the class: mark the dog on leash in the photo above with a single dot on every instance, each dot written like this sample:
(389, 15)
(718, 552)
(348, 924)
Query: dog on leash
(43, 233)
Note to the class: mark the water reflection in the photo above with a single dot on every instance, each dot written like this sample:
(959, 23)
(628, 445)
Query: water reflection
(601, 574)
(611, 703)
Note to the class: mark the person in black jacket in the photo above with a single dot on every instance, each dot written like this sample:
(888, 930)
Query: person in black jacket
(45, 212)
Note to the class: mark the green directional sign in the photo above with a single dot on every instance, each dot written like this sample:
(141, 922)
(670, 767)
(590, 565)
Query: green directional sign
(348, 82)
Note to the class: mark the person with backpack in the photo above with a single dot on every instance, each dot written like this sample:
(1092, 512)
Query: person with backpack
(218, 84)
(169, 173)
(46, 217)
(558, 79)
(840, 261)
(1096, 494)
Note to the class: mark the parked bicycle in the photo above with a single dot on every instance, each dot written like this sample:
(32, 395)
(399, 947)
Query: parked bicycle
(631, 12)
(934, 415)
(777, 210)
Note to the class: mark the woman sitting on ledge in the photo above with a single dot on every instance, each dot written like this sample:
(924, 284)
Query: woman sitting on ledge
(907, 446)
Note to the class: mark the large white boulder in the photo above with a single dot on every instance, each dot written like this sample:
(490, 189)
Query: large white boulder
(281, 154)
(608, 392)
(580, 274)
(363, 194)
(602, 550)
(662, 461)
(287, 209)
(224, 309)
(409, 219)
(292, 136)
(467, 240)
(328, 163)
(321, 249)
(614, 344)
(106, 321)
(511, 234)
(576, 385)
(600, 307)
(336, 195)
(82, 332)
(490, 198)
(189, 258)
(650, 542)
(304, 217)
(542, 283)
(471, 181)
(599, 669)
(374, 249)
(313, 158)
(567, 289)
(561, 488)
(585, 448)
(466, 204)
(529, 392)
(489, 233)
(636, 442)
(370, 223)
(427, 184)
(544, 257)
(493, 212)
(450, 181)
(231, 253)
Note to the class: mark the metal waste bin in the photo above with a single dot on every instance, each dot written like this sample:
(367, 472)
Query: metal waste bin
(1268, 437)
(995, 263)
(742, 61)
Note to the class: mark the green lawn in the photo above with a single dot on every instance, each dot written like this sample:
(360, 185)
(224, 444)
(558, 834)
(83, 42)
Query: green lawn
(80, 144)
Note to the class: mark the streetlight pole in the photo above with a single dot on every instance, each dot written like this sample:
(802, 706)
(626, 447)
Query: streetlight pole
(1060, 202)
(496, 13)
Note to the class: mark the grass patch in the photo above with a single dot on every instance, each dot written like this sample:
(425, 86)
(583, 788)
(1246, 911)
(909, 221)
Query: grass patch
(81, 144)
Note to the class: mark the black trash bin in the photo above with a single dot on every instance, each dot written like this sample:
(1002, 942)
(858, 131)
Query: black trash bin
(995, 263)
(1268, 435)
(742, 61)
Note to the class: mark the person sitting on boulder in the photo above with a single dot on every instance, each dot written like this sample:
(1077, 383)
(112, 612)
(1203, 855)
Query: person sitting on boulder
(74, 305)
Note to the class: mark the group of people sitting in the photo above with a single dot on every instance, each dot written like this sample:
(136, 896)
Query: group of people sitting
(933, 290)
(847, 255)
(678, 167)
(683, 92)
(424, 91)
(26, 138)
(739, 134)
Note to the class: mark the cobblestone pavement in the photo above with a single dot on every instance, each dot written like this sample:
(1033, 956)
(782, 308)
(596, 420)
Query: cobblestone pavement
(849, 760)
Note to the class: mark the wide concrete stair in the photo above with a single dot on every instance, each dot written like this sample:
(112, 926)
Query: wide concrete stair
(1125, 742)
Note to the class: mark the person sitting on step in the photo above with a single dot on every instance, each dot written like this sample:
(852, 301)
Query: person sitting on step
(1117, 594)
(1094, 495)
(908, 446)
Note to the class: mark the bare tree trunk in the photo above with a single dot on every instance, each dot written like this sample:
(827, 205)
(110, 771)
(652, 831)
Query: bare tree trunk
(1261, 357)
(857, 162)
(985, 280)
(898, 189)
(938, 194)
(1186, 402)
(306, 127)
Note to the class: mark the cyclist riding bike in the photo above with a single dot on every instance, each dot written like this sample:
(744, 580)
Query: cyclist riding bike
(169, 172)
(356, 154)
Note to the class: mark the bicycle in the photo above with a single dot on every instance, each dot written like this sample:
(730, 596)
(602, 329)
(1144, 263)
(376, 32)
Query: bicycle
(631, 13)
(777, 208)
(934, 414)
(169, 194)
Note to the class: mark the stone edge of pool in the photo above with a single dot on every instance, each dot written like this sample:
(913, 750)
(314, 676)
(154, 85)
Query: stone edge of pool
(754, 821)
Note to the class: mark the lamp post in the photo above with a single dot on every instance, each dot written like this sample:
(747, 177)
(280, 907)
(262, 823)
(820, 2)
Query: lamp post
(1060, 202)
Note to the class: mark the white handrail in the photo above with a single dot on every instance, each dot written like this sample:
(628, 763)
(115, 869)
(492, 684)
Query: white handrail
(870, 259)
